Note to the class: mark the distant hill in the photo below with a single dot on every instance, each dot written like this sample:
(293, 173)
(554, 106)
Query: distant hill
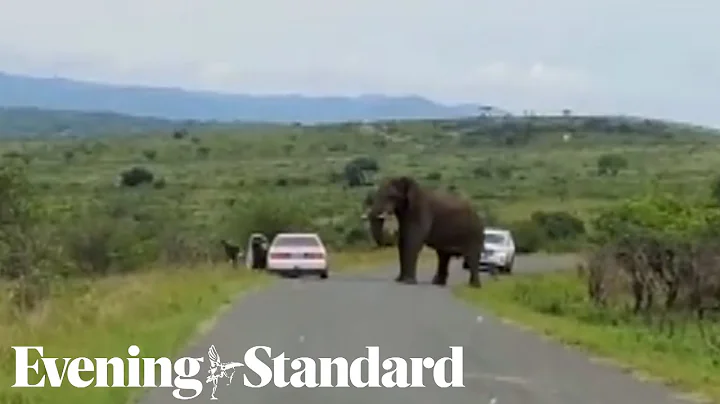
(60, 107)
(178, 104)
(23, 122)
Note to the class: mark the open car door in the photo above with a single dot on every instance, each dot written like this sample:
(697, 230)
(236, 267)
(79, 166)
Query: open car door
(257, 247)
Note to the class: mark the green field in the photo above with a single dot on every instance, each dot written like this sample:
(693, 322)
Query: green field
(71, 226)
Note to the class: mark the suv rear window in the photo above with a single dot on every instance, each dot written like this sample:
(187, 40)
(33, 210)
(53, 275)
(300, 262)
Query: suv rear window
(296, 241)
(494, 238)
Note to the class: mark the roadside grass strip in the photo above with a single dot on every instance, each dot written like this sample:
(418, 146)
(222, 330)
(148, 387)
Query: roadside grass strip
(556, 305)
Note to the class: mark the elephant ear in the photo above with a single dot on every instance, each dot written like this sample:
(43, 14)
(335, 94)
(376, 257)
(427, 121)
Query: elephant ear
(410, 191)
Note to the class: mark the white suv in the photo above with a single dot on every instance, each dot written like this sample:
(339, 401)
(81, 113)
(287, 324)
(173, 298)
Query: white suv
(298, 253)
(499, 250)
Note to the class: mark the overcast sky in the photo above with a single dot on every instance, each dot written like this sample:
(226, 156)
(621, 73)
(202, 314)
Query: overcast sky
(650, 57)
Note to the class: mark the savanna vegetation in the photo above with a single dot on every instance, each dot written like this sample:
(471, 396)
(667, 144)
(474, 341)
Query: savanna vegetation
(95, 230)
(647, 294)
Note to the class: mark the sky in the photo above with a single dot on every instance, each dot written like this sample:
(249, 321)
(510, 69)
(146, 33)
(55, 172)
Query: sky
(637, 57)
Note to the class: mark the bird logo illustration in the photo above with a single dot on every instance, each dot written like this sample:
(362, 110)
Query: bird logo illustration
(219, 370)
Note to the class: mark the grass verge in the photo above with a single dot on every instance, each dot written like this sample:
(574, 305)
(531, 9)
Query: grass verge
(158, 310)
(555, 304)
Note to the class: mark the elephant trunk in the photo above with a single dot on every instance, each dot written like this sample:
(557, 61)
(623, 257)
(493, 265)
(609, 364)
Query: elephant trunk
(376, 219)
(377, 231)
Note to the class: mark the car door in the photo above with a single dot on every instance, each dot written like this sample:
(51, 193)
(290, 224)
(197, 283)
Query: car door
(249, 253)
(511, 246)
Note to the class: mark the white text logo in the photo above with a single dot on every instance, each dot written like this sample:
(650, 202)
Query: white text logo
(182, 374)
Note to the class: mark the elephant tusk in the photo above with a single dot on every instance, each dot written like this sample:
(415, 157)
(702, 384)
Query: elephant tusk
(366, 216)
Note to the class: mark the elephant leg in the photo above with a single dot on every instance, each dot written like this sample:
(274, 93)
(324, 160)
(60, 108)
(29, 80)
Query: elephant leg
(401, 258)
(410, 254)
(473, 258)
(443, 260)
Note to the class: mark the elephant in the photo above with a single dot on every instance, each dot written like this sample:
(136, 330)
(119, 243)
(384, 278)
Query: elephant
(444, 222)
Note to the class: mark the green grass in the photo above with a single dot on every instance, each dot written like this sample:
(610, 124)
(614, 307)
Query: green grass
(555, 305)
(158, 310)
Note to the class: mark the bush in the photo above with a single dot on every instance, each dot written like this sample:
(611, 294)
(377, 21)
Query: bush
(355, 171)
(433, 176)
(365, 163)
(357, 235)
(715, 190)
(482, 171)
(118, 235)
(203, 151)
(136, 176)
(354, 176)
(27, 257)
(611, 164)
(558, 225)
(180, 133)
(150, 154)
(160, 183)
(656, 250)
(655, 214)
(270, 216)
(528, 236)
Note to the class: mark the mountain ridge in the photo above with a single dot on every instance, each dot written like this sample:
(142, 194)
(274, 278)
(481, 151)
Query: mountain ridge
(173, 103)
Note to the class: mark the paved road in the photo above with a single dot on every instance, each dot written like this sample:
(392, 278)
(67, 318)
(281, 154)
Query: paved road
(345, 313)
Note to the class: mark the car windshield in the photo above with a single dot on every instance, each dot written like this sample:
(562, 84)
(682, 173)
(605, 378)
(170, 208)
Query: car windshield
(296, 241)
(494, 238)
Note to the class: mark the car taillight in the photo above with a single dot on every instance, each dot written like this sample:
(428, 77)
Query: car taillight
(315, 256)
(279, 255)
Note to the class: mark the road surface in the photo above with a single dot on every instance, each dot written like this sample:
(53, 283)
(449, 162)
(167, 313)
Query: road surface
(342, 315)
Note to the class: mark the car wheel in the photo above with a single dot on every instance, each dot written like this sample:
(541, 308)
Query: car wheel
(507, 269)
(324, 275)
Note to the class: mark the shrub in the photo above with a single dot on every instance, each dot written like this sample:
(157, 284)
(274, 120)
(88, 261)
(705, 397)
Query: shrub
(150, 154)
(558, 225)
(715, 190)
(354, 176)
(528, 236)
(117, 235)
(482, 171)
(270, 216)
(356, 235)
(656, 249)
(68, 155)
(355, 171)
(136, 176)
(180, 133)
(365, 163)
(656, 214)
(203, 151)
(611, 164)
(27, 256)
(160, 183)
(433, 176)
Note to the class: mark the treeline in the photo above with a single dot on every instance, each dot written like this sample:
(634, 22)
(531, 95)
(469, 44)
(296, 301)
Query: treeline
(509, 130)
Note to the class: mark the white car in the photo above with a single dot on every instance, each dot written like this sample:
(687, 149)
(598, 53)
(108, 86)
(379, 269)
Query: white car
(298, 253)
(499, 250)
